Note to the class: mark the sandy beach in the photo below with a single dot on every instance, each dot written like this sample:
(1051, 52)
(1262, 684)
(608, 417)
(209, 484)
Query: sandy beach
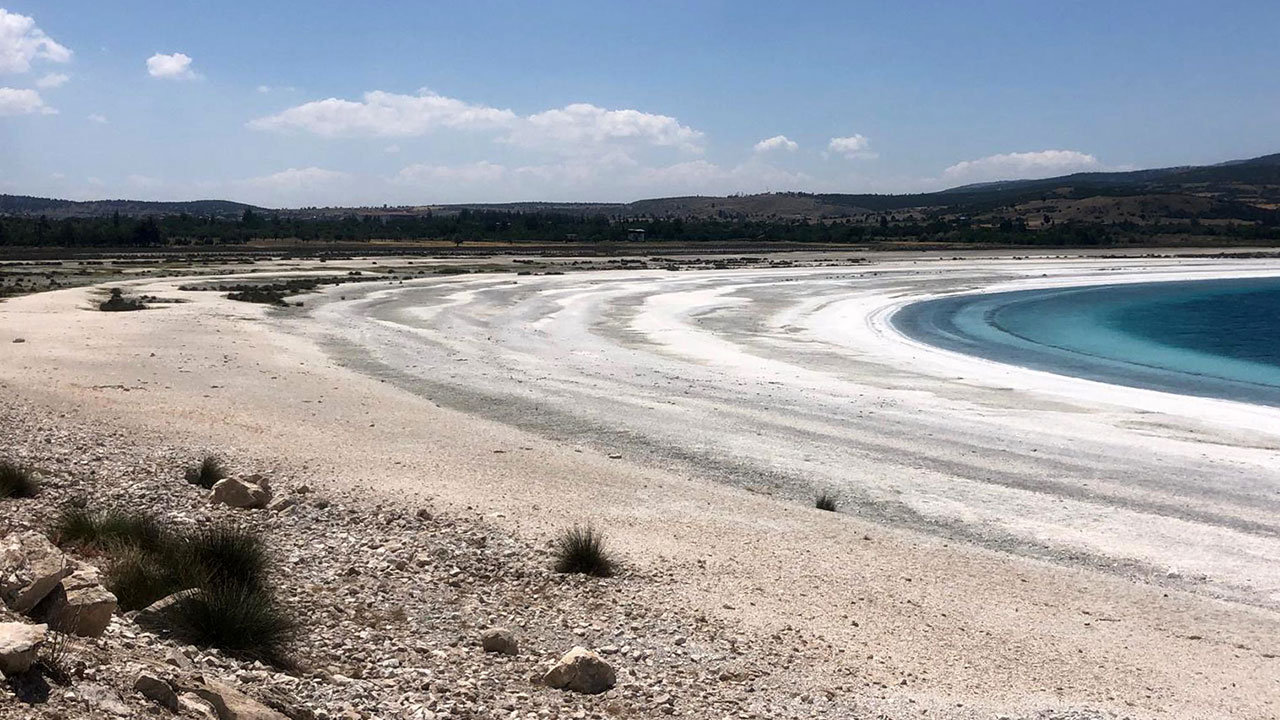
(1010, 542)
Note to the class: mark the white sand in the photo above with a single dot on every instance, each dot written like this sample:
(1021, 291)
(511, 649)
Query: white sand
(732, 395)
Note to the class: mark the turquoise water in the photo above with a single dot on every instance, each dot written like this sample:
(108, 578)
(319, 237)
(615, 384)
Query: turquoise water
(1214, 338)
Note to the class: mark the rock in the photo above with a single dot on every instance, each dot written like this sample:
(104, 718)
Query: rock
(279, 700)
(229, 703)
(174, 657)
(240, 493)
(158, 691)
(195, 706)
(103, 698)
(282, 504)
(499, 640)
(79, 605)
(19, 644)
(153, 617)
(30, 568)
(581, 670)
(19, 340)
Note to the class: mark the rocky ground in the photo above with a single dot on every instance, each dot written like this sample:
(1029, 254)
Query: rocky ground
(393, 602)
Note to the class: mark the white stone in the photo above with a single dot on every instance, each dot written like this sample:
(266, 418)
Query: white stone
(19, 644)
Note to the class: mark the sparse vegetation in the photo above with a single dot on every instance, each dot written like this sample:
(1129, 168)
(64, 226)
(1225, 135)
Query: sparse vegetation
(56, 657)
(138, 578)
(264, 296)
(17, 481)
(106, 530)
(581, 549)
(827, 500)
(233, 607)
(119, 303)
(242, 621)
(207, 473)
(223, 556)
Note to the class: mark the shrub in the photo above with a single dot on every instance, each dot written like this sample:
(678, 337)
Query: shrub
(108, 529)
(207, 473)
(119, 303)
(241, 621)
(56, 658)
(580, 549)
(826, 501)
(265, 296)
(138, 578)
(223, 556)
(16, 481)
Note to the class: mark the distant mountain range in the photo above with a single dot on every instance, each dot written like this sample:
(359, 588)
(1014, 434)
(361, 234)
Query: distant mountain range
(1237, 189)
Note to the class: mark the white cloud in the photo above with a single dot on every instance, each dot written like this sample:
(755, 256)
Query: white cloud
(582, 127)
(852, 147)
(479, 172)
(383, 114)
(392, 149)
(584, 180)
(21, 43)
(96, 118)
(576, 129)
(296, 179)
(15, 101)
(264, 89)
(297, 187)
(52, 80)
(1021, 165)
(176, 66)
(777, 142)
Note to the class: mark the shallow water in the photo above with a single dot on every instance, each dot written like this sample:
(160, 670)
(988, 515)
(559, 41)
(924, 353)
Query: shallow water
(1213, 338)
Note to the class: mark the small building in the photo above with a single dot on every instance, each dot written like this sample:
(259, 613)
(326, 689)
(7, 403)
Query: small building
(635, 234)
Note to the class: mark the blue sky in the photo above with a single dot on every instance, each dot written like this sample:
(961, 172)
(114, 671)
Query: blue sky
(324, 103)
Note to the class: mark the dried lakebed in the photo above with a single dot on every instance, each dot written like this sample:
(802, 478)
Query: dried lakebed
(791, 381)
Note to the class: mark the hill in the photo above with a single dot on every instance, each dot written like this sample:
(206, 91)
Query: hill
(58, 209)
(1240, 191)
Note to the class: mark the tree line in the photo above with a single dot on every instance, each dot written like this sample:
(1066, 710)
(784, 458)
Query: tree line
(550, 227)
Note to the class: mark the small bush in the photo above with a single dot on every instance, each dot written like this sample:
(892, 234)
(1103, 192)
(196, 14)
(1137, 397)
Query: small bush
(241, 621)
(107, 529)
(56, 659)
(119, 303)
(16, 481)
(223, 556)
(580, 549)
(207, 473)
(138, 578)
(826, 501)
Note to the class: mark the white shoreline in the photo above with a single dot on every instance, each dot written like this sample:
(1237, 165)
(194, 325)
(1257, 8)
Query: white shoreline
(1237, 414)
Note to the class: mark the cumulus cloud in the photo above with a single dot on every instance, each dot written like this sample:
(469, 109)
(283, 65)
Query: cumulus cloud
(584, 179)
(583, 126)
(52, 80)
(296, 178)
(479, 172)
(777, 142)
(15, 101)
(1021, 165)
(22, 43)
(574, 129)
(175, 66)
(96, 118)
(384, 114)
(852, 147)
